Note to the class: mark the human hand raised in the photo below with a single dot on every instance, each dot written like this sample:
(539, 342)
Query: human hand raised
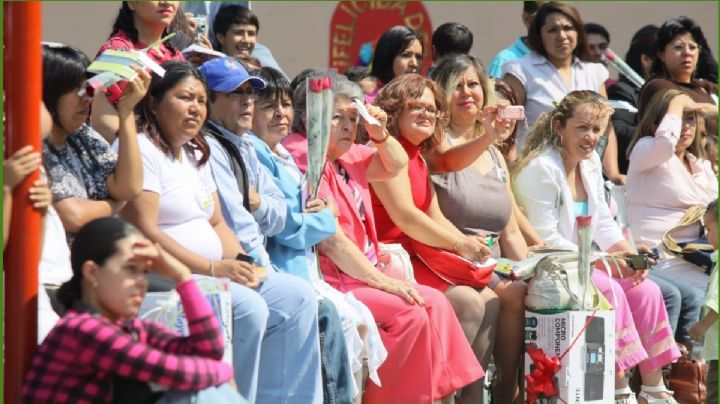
(495, 126)
(377, 133)
(159, 260)
(134, 91)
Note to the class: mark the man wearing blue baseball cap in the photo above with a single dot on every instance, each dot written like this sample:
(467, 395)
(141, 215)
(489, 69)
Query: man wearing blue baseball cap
(280, 361)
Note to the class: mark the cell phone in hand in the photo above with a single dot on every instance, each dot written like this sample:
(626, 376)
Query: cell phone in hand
(201, 27)
(639, 262)
(259, 270)
(245, 258)
(512, 112)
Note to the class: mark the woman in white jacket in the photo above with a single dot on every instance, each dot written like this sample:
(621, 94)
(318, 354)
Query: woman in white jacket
(559, 177)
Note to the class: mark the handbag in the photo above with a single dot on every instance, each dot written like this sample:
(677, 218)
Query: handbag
(395, 262)
(688, 379)
(696, 252)
(451, 267)
(556, 286)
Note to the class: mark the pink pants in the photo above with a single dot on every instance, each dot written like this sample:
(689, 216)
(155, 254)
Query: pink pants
(428, 354)
(642, 331)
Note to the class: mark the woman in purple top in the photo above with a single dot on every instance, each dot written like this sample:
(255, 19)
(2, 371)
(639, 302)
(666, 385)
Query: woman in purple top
(100, 352)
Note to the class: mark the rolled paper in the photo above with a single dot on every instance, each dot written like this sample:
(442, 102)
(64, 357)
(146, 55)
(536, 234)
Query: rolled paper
(616, 62)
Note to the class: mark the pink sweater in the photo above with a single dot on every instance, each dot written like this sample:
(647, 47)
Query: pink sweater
(660, 189)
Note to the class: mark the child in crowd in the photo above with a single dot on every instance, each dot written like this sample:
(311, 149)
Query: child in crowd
(101, 352)
(707, 326)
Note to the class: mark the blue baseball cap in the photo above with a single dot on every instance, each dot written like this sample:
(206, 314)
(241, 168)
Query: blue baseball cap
(226, 74)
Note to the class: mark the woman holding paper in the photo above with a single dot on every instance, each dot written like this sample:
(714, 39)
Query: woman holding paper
(101, 352)
(414, 105)
(557, 178)
(179, 209)
(88, 179)
(428, 359)
(308, 222)
(138, 25)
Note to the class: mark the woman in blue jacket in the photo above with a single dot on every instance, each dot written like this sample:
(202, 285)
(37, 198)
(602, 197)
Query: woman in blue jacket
(307, 222)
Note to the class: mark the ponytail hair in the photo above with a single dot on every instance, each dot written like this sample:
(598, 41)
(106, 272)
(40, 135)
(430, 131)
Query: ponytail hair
(96, 242)
(541, 134)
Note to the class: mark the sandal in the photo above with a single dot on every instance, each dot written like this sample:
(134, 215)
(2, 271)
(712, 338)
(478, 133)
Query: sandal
(630, 399)
(644, 390)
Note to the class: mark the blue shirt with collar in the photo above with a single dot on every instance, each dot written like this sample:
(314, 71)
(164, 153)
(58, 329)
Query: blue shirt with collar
(269, 218)
(517, 50)
(289, 249)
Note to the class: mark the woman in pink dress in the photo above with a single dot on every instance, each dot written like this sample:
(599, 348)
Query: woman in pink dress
(428, 356)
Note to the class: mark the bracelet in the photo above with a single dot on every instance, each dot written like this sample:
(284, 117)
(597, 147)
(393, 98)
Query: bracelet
(212, 268)
(383, 140)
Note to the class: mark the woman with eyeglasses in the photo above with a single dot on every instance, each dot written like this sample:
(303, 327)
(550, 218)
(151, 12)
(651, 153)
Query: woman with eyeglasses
(88, 179)
(678, 46)
(428, 358)
(414, 105)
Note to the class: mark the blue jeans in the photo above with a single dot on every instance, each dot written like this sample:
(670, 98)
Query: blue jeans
(276, 350)
(682, 302)
(222, 394)
(336, 372)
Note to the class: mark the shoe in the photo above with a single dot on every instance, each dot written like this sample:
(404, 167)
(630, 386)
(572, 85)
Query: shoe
(630, 399)
(644, 390)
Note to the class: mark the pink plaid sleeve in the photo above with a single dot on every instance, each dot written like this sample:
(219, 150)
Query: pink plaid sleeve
(120, 354)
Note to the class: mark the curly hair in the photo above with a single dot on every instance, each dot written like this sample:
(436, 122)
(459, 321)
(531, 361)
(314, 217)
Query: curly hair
(542, 134)
(394, 97)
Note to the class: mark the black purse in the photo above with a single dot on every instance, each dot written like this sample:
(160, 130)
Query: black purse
(697, 251)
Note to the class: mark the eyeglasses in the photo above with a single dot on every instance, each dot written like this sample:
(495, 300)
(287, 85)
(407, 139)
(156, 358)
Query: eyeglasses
(680, 47)
(86, 91)
(241, 94)
(419, 109)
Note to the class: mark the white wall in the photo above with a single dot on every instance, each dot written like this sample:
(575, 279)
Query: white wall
(298, 32)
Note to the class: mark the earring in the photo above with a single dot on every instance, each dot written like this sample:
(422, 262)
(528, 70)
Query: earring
(95, 284)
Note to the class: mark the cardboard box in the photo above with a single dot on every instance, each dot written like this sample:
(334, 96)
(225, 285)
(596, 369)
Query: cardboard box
(588, 370)
(166, 309)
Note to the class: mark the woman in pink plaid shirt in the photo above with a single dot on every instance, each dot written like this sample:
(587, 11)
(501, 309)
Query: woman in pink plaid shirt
(100, 352)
